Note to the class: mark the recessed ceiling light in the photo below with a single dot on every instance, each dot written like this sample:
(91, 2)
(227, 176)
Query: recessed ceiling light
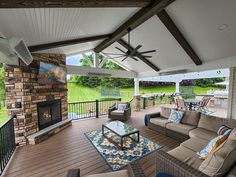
(222, 27)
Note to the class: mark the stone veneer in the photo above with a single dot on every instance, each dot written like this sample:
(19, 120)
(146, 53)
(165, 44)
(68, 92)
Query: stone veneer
(137, 103)
(22, 86)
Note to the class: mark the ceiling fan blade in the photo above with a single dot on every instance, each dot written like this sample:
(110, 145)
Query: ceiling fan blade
(124, 58)
(134, 58)
(147, 56)
(149, 51)
(114, 53)
(135, 50)
(120, 50)
(138, 47)
(118, 56)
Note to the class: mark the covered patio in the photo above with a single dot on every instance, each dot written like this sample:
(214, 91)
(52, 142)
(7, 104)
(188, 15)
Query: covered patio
(160, 41)
(71, 149)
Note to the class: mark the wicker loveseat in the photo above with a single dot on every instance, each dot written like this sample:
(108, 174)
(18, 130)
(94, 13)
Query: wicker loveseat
(195, 131)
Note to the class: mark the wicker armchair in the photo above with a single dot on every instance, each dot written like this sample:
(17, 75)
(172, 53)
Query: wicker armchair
(133, 168)
(114, 114)
(176, 168)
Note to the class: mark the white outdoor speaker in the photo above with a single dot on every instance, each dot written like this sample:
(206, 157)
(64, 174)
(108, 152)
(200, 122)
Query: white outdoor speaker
(12, 49)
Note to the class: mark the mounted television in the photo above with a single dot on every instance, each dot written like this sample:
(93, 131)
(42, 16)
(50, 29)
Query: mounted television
(51, 74)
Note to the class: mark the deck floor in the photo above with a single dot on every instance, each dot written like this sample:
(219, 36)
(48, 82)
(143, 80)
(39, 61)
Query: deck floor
(71, 149)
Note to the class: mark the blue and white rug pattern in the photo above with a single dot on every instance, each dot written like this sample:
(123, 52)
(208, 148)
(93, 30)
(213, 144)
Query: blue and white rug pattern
(115, 157)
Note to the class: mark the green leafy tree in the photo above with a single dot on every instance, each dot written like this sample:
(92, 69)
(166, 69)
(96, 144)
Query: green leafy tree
(94, 81)
(208, 82)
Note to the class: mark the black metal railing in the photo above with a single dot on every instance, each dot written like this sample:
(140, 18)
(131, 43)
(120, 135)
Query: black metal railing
(87, 109)
(7, 142)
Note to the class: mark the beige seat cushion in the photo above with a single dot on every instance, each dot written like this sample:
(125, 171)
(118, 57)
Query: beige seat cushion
(202, 133)
(191, 118)
(159, 121)
(117, 113)
(165, 112)
(181, 128)
(186, 155)
(195, 143)
(219, 163)
(121, 173)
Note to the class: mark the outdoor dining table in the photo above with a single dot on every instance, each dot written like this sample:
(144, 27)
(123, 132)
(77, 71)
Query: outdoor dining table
(191, 103)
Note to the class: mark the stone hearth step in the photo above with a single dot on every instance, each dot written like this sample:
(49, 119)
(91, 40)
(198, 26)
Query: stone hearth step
(47, 132)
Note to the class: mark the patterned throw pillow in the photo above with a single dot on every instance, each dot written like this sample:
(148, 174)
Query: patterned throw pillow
(224, 130)
(211, 146)
(121, 107)
(175, 116)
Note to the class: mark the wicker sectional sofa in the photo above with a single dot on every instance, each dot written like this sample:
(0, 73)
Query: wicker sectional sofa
(194, 132)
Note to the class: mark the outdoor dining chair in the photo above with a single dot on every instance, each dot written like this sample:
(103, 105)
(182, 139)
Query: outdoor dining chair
(202, 107)
(180, 104)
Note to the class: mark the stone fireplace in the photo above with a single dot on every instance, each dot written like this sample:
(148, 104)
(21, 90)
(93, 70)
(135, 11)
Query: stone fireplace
(31, 101)
(49, 113)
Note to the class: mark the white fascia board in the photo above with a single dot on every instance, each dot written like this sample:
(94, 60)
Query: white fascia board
(81, 70)
(79, 52)
(189, 76)
(209, 65)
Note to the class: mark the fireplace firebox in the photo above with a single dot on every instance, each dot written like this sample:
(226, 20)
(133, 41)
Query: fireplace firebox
(49, 113)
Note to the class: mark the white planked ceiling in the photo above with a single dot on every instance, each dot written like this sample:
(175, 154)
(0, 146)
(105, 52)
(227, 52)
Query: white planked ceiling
(198, 20)
(44, 25)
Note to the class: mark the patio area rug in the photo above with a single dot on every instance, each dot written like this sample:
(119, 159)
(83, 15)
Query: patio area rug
(113, 155)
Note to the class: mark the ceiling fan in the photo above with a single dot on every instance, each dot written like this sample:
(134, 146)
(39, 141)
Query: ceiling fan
(131, 53)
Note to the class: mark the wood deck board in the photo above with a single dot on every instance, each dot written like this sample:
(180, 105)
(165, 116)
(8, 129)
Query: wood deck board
(71, 149)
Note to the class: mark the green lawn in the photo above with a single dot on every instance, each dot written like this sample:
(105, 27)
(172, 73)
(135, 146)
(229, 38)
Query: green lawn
(3, 115)
(77, 93)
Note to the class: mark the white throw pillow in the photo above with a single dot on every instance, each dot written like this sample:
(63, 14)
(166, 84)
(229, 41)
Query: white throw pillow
(175, 116)
(122, 106)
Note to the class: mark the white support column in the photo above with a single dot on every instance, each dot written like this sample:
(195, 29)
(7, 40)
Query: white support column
(96, 60)
(137, 98)
(231, 111)
(136, 87)
(177, 87)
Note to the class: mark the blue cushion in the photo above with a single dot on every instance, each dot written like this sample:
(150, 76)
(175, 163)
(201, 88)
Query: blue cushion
(146, 120)
(163, 175)
(175, 116)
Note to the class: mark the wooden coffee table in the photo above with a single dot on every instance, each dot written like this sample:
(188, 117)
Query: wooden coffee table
(122, 130)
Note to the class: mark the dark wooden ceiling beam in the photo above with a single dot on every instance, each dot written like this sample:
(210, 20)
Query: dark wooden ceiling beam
(137, 19)
(173, 29)
(72, 3)
(142, 58)
(66, 42)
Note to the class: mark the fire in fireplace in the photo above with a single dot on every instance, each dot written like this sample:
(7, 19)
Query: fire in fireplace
(49, 113)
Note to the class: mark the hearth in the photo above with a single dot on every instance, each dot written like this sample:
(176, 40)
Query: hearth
(49, 113)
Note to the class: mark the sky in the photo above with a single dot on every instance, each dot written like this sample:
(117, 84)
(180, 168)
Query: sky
(74, 60)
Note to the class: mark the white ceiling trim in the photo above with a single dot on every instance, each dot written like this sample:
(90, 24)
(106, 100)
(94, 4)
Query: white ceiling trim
(84, 71)
(209, 65)
(189, 76)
